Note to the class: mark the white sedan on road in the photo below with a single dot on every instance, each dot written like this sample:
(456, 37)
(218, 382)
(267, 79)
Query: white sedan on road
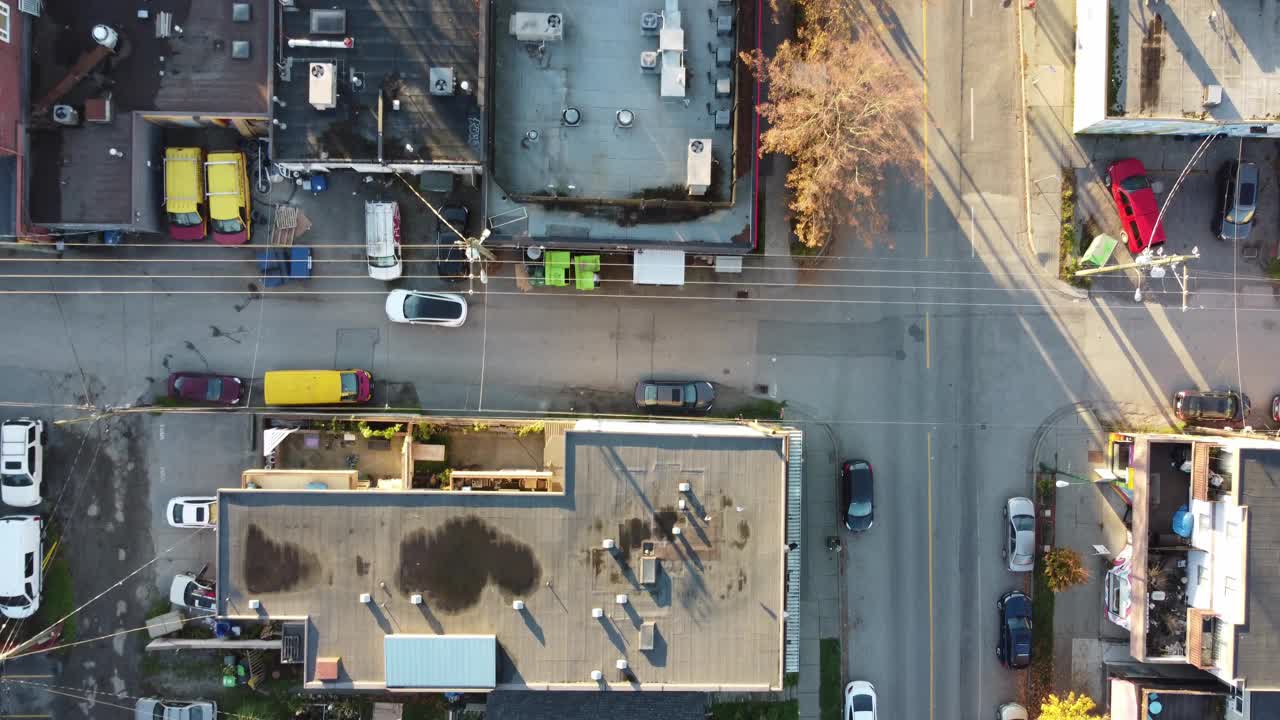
(156, 709)
(859, 701)
(1020, 534)
(426, 308)
(192, 512)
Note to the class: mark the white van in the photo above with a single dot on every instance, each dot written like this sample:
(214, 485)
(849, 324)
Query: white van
(22, 460)
(21, 553)
(382, 239)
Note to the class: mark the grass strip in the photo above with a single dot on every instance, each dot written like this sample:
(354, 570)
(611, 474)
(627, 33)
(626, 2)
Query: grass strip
(830, 682)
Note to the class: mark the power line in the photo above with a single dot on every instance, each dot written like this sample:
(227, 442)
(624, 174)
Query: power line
(118, 583)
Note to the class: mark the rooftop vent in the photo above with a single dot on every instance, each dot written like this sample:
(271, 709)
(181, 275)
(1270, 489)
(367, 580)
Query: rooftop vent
(648, 60)
(571, 117)
(329, 22)
(699, 167)
(323, 89)
(722, 119)
(537, 27)
(1212, 95)
(65, 115)
(240, 49)
(441, 79)
(625, 118)
(241, 12)
(650, 23)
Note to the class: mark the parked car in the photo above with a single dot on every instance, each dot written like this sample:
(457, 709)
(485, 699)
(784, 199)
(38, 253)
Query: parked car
(857, 495)
(227, 187)
(149, 708)
(859, 701)
(1209, 407)
(1275, 408)
(1014, 649)
(193, 593)
(1011, 711)
(192, 512)
(382, 240)
(22, 459)
(426, 308)
(206, 388)
(1020, 534)
(451, 262)
(1136, 203)
(675, 395)
(21, 552)
(1237, 200)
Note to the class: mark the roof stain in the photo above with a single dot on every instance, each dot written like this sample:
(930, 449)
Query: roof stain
(274, 566)
(454, 563)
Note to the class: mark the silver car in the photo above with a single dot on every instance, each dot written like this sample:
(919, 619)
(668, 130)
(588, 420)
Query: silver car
(1020, 534)
(1011, 711)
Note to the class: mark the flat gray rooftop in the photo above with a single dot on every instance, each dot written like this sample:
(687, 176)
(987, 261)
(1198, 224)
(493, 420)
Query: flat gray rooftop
(596, 69)
(1170, 51)
(716, 603)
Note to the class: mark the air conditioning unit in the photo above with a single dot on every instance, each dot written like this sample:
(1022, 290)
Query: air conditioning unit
(699, 177)
(65, 115)
(323, 90)
(648, 60)
(537, 27)
(440, 80)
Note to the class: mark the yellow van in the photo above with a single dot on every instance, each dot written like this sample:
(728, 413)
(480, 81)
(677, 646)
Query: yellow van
(184, 193)
(317, 387)
(228, 189)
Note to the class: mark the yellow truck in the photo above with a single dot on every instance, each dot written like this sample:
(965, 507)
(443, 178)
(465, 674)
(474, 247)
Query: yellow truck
(184, 193)
(227, 180)
(317, 387)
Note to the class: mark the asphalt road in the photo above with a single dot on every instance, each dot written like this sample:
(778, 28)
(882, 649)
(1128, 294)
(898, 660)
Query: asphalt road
(935, 352)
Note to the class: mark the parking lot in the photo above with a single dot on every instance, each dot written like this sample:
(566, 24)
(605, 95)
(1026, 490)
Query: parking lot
(1189, 212)
(107, 483)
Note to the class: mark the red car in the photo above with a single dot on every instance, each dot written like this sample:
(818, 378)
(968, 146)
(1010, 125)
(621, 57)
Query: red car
(1131, 190)
(206, 388)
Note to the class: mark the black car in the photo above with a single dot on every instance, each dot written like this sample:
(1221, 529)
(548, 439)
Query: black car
(451, 259)
(1014, 649)
(857, 495)
(675, 395)
(1237, 200)
(1216, 408)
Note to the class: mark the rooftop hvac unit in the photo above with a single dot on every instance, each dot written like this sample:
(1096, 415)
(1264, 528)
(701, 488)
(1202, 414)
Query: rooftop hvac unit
(648, 60)
(1212, 96)
(537, 27)
(699, 180)
(441, 80)
(323, 91)
(65, 115)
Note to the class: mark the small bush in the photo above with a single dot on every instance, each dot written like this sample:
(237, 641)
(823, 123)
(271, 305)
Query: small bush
(367, 431)
(1064, 569)
(1273, 269)
(531, 428)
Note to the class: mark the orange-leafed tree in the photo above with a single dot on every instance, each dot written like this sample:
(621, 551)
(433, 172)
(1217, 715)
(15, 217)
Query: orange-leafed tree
(1064, 569)
(845, 113)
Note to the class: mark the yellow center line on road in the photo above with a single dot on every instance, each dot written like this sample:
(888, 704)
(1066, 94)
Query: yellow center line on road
(929, 505)
(928, 354)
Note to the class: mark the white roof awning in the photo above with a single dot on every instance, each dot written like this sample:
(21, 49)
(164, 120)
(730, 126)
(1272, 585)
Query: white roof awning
(658, 267)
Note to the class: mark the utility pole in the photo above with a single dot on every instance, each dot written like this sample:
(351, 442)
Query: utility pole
(1144, 261)
(1170, 260)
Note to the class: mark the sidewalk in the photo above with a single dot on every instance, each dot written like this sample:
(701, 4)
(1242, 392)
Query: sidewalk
(1085, 516)
(821, 587)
